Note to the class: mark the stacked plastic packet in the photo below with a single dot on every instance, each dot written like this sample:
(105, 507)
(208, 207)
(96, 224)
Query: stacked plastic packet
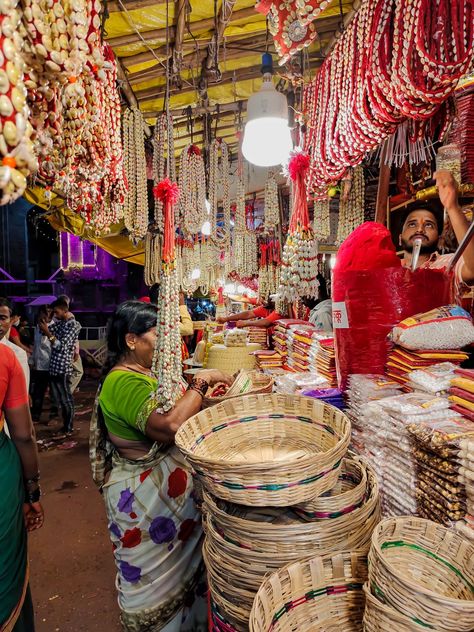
(362, 390)
(299, 344)
(399, 481)
(282, 331)
(461, 392)
(332, 396)
(403, 362)
(267, 360)
(322, 357)
(291, 383)
(258, 335)
(443, 449)
(435, 380)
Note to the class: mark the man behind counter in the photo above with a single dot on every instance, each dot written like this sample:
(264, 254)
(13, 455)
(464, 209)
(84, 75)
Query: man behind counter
(423, 222)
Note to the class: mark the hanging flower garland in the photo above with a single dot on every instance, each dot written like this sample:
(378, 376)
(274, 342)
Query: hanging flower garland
(136, 201)
(269, 267)
(351, 205)
(16, 148)
(298, 275)
(167, 356)
(163, 159)
(271, 203)
(321, 221)
(192, 184)
(219, 183)
(245, 249)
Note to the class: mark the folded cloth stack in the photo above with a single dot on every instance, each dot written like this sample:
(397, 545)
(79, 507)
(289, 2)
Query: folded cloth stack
(258, 335)
(331, 396)
(363, 389)
(299, 344)
(283, 328)
(403, 362)
(461, 393)
(444, 454)
(267, 360)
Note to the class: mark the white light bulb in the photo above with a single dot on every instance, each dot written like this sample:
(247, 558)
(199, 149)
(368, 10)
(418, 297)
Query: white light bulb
(206, 228)
(267, 141)
(196, 274)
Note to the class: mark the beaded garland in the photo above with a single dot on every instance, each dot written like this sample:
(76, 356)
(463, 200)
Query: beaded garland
(16, 147)
(419, 50)
(135, 210)
(271, 203)
(321, 220)
(152, 269)
(299, 261)
(192, 184)
(351, 205)
(164, 162)
(219, 180)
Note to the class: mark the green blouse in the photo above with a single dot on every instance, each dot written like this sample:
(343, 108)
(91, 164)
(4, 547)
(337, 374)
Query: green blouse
(127, 399)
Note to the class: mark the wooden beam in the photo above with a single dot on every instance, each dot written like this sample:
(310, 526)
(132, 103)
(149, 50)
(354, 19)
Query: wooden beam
(177, 61)
(200, 110)
(349, 16)
(160, 34)
(128, 92)
(131, 5)
(210, 66)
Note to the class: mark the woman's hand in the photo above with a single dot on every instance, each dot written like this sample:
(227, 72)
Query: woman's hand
(214, 376)
(221, 320)
(34, 516)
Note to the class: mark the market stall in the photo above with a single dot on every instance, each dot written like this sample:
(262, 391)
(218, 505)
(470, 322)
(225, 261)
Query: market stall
(284, 153)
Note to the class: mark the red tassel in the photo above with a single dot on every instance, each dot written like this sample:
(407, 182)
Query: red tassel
(168, 193)
(297, 168)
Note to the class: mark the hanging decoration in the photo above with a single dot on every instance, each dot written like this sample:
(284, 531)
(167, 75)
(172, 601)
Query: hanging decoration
(16, 147)
(269, 267)
(351, 205)
(245, 255)
(321, 221)
(271, 203)
(219, 184)
(152, 269)
(298, 274)
(192, 184)
(136, 201)
(163, 159)
(419, 50)
(167, 356)
(291, 24)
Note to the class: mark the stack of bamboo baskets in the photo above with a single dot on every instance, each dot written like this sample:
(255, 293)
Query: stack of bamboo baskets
(279, 484)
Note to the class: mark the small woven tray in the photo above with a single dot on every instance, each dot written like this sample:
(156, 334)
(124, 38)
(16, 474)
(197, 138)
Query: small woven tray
(321, 594)
(425, 572)
(246, 383)
(263, 450)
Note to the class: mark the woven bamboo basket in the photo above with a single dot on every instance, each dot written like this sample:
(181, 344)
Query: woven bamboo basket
(425, 572)
(218, 622)
(348, 494)
(321, 594)
(262, 450)
(379, 617)
(280, 536)
(246, 383)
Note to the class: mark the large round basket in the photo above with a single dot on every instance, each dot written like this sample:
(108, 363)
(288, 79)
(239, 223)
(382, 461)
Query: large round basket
(348, 494)
(425, 572)
(263, 450)
(246, 383)
(379, 617)
(321, 594)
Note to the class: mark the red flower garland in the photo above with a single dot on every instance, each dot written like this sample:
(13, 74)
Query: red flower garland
(168, 193)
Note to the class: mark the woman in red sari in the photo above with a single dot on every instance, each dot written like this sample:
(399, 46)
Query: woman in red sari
(20, 509)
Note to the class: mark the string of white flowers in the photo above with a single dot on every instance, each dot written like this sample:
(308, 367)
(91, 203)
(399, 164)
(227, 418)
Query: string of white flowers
(136, 199)
(271, 202)
(219, 183)
(192, 184)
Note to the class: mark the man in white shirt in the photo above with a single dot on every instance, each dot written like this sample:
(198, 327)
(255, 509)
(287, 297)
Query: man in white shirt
(6, 312)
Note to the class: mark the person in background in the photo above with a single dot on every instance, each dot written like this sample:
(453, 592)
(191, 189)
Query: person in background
(63, 336)
(154, 524)
(20, 507)
(186, 327)
(424, 222)
(6, 322)
(14, 335)
(321, 308)
(41, 357)
(77, 367)
(263, 316)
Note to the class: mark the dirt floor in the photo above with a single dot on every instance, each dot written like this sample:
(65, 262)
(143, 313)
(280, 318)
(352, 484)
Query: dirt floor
(71, 562)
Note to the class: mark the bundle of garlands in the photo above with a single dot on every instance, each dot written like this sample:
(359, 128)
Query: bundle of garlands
(269, 270)
(167, 356)
(299, 269)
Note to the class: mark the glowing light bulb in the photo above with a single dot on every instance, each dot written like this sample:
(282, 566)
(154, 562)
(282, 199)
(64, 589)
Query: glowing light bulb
(196, 274)
(206, 228)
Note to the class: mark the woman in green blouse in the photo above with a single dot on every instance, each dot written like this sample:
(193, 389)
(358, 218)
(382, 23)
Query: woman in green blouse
(154, 524)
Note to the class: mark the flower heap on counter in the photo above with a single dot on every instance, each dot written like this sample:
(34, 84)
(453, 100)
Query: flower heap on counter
(299, 261)
(167, 356)
(17, 156)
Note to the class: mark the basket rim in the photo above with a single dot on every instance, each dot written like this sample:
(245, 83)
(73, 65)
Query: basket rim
(370, 598)
(406, 579)
(342, 439)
